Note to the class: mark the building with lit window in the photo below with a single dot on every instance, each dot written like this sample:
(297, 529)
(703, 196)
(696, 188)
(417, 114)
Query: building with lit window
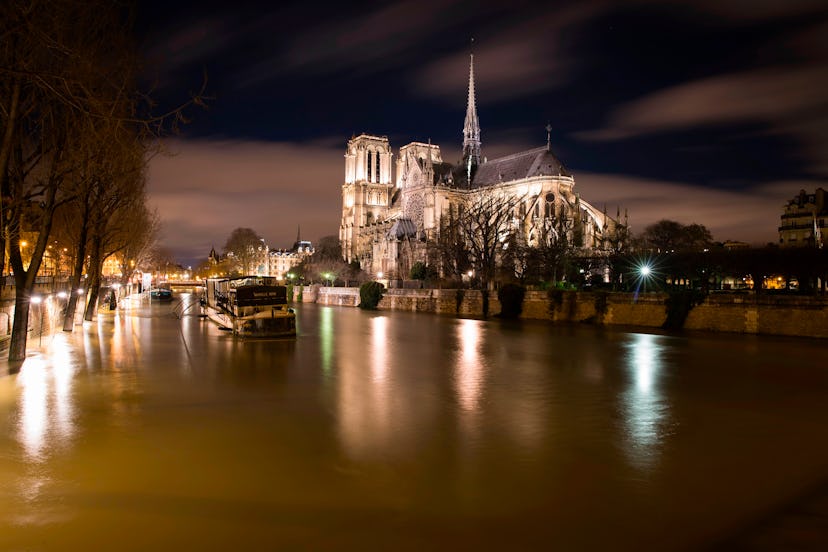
(282, 261)
(803, 221)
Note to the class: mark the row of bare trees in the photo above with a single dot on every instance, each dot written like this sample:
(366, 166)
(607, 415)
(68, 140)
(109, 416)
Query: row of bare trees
(75, 137)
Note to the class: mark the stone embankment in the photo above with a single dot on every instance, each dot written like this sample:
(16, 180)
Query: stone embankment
(719, 312)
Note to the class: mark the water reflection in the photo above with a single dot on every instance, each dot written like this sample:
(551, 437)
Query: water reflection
(468, 376)
(364, 405)
(326, 337)
(645, 405)
(46, 408)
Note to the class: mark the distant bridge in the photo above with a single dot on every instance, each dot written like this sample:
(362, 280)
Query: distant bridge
(185, 283)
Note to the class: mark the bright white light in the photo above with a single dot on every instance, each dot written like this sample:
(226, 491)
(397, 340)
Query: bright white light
(379, 274)
(62, 294)
(36, 299)
(80, 291)
(645, 270)
(116, 285)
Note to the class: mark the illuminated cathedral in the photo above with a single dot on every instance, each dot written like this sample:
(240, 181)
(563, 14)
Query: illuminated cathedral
(390, 218)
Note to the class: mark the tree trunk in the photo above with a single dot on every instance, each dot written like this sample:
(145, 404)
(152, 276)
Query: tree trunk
(94, 282)
(20, 328)
(92, 298)
(77, 275)
(72, 302)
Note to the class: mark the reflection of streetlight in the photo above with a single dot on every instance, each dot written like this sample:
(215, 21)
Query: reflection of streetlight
(37, 300)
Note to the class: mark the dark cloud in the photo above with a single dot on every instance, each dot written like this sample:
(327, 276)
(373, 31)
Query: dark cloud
(515, 59)
(699, 110)
(208, 188)
(786, 99)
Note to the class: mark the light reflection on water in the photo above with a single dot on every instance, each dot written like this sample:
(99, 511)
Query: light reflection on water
(382, 428)
(46, 408)
(469, 369)
(646, 409)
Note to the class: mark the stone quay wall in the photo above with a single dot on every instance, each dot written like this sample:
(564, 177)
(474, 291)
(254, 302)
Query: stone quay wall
(739, 313)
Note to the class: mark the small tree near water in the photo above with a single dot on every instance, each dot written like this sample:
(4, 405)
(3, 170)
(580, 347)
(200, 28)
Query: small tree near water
(370, 294)
(511, 300)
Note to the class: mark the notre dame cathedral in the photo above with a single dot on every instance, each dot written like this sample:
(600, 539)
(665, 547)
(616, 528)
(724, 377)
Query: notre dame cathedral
(389, 223)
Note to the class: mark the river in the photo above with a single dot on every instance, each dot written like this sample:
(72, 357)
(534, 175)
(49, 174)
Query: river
(151, 429)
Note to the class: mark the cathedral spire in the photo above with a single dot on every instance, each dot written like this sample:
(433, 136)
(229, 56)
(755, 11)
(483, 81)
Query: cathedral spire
(471, 127)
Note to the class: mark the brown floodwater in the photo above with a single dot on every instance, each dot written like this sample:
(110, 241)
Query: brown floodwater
(151, 429)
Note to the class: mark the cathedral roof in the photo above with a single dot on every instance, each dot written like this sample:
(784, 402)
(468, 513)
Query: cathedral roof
(525, 164)
(402, 228)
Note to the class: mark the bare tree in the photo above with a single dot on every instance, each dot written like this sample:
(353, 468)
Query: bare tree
(666, 236)
(244, 244)
(67, 77)
(452, 252)
(485, 222)
(143, 227)
(119, 198)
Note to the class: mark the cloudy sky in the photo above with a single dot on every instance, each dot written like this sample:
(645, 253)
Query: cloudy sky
(707, 111)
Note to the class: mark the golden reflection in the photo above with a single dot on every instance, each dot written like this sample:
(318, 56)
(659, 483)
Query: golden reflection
(379, 345)
(62, 373)
(326, 337)
(468, 378)
(644, 403)
(46, 409)
(365, 402)
(34, 408)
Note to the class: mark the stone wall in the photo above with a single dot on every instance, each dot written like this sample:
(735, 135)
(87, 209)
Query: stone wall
(741, 313)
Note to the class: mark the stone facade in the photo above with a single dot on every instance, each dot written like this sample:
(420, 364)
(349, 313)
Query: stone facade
(736, 313)
(390, 221)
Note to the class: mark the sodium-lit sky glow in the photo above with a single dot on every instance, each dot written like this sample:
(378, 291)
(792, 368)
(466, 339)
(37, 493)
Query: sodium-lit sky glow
(704, 111)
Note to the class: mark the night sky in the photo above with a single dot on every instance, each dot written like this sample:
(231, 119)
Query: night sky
(706, 111)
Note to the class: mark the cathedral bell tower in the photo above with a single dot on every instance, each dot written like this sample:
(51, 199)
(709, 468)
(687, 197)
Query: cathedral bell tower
(366, 193)
(471, 129)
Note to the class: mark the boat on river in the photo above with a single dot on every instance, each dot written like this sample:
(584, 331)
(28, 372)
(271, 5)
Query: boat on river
(250, 306)
(161, 294)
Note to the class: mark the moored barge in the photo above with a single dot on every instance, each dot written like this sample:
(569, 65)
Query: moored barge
(250, 306)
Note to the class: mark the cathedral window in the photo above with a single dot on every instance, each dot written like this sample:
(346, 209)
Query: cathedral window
(549, 210)
(369, 166)
(376, 167)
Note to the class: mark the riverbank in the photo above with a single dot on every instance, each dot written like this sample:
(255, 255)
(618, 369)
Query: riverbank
(747, 313)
